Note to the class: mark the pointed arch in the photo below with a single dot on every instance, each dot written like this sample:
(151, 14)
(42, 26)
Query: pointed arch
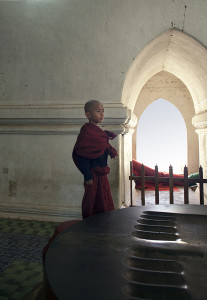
(166, 143)
(167, 86)
(176, 53)
(179, 55)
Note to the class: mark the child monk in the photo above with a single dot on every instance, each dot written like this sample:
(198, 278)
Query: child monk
(90, 154)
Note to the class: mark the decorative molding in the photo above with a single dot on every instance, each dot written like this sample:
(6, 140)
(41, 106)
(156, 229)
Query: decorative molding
(201, 107)
(55, 110)
(59, 119)
(56, 130)
(200, 120)
(201, 131)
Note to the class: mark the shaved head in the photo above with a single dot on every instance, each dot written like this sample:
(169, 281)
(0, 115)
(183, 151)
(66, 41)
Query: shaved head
(89, 104)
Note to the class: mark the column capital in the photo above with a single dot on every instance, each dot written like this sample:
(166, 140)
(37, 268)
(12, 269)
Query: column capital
(200, 122)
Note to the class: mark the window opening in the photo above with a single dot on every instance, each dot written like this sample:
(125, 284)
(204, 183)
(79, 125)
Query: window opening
(162, 137)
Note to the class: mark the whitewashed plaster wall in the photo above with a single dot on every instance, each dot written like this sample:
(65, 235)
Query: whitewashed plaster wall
(69, 51)
(55, 55)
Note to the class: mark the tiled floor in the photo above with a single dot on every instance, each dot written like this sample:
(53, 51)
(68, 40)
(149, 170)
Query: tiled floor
(21, 247)
(19, 278)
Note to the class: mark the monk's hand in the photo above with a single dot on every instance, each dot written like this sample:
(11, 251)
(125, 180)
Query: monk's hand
(89, 182)
(116, 156)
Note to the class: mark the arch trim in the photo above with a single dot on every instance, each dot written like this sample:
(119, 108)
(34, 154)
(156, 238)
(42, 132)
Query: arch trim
(176, 53)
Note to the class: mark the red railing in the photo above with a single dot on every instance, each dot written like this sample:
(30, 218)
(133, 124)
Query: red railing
(170, 180)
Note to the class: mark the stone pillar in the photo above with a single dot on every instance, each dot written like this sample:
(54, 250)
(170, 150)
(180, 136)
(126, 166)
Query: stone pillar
(120, 168)
(125, 158)
(200, 122)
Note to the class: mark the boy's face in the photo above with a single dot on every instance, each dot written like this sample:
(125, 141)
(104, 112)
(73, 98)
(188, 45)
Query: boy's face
(96, 114)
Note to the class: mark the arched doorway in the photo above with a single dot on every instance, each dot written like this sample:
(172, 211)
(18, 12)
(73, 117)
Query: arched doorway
(185, 59)
(169, 87)
(162, 137)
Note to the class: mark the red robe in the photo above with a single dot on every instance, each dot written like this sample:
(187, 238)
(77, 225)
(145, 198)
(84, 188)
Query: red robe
(93, 142)
(136, 166)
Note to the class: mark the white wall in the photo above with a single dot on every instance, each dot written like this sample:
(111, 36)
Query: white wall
(69, 51)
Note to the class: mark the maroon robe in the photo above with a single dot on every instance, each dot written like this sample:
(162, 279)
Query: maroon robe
(136, 166)
(93, 142)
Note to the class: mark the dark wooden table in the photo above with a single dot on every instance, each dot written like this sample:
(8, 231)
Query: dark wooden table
(156, 252)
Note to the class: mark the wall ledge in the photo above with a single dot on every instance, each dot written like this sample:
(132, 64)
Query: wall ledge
(60, 119)
(51, 214)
